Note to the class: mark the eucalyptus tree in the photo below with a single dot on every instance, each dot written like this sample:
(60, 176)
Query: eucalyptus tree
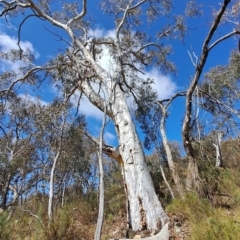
(163, 107)
(54, 129)
(228, 13)
(74, 173)
(220, 94)
(18, 151)
(220, 97)
(131, 50)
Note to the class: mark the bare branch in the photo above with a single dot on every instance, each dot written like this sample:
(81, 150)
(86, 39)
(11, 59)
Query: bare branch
(45, 16)
(10, 7)
(19, 32)
(223, 38)
(221, 103)
(28, 74)
(148, 45)
(137, 5)
(79, 16)
(122, 22)
(194, 63)
(169, 100)
(33, 215)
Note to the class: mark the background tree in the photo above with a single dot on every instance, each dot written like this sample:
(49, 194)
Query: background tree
(193, 178)
(18, 150)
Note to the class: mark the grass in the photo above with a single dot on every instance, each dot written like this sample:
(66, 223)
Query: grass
(209, 221)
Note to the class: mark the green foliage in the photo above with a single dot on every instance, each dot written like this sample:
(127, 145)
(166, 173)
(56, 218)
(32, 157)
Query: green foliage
(220, 225)
(62, 228)
(194, 208)
(214, 218)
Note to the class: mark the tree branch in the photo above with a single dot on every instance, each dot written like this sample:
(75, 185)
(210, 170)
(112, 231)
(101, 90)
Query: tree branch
(79, 16)
(223, 38)
(45, 16)
(221, 103)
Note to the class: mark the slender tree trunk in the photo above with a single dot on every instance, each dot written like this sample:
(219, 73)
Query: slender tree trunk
(193, 177)
(51, 182)
(98, 231)
(63, 190)
(144, 208)
(166, 181)
(218, 150)
(51, 190)
(168, 151)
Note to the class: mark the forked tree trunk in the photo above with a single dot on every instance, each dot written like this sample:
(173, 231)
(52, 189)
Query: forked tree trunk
(144, 208)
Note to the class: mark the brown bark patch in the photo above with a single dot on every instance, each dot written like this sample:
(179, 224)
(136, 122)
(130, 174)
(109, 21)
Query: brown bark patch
(143, 215)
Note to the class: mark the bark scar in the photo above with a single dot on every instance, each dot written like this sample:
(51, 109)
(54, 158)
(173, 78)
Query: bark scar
(143, 220)
(130, 159)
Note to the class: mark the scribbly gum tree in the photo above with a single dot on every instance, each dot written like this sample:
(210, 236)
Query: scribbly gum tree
(79, 68)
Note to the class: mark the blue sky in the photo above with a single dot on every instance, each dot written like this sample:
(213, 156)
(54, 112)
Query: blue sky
(45, 45)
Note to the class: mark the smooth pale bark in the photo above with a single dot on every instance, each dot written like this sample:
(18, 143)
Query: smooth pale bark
(218, 150)
(144, 208)
(168, 152)
(98, 231)
(51, 188)
(64, 189)
(166, 182)
(51, 181)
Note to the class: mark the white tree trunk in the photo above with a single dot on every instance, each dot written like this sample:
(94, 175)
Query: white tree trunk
(51, 189)
(168, 151)
(218, 150)
(98, 231)
(144, 208)
(55, 161)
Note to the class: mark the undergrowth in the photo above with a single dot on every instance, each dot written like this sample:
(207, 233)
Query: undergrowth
(216, 218)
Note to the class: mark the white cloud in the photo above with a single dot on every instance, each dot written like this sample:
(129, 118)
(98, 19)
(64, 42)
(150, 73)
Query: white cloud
(106, 61)
(164, 85)
(99, 32)
(86, 107)
(6, 44)
(109, 137)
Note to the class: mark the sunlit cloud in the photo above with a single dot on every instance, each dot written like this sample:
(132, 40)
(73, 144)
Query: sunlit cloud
(164, 85)
(109, 137)
(86, 107)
